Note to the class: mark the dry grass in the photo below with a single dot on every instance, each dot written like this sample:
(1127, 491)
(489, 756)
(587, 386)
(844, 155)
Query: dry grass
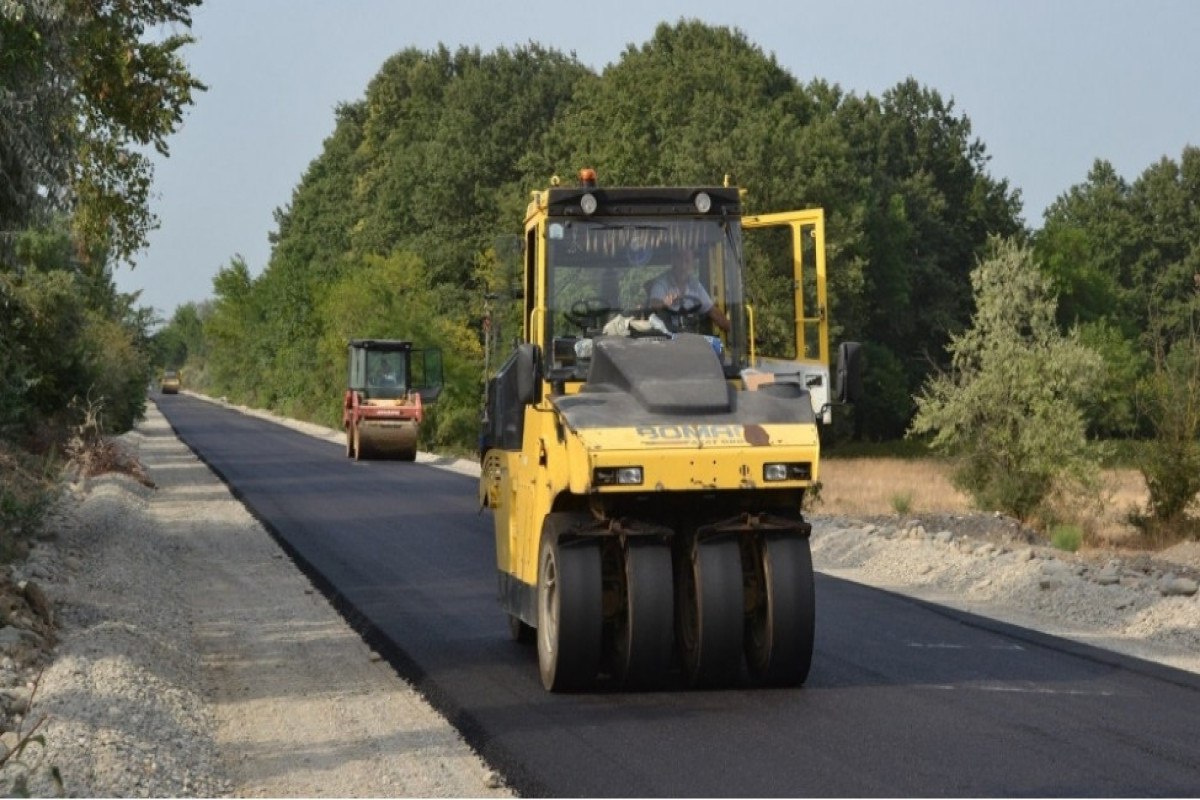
(869, 486)
(1123, 492)
(875, 486)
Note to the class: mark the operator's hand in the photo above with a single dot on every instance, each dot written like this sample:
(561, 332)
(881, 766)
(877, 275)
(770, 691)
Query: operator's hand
(671, 297)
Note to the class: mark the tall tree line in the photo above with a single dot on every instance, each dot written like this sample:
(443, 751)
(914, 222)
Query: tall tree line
(390, 231)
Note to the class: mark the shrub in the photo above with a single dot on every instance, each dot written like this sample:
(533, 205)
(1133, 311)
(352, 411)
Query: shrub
(1011, 404)
(812, 498)
(1170, 398)
(902, 502)
(26, 492)
(1066, 537)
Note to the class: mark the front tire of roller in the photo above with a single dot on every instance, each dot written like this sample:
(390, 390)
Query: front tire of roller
(569, 605)
(710, 607)
(780, 630)
(644, 634)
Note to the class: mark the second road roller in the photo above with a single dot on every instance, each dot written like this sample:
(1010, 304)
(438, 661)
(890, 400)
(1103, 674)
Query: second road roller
(388, 386)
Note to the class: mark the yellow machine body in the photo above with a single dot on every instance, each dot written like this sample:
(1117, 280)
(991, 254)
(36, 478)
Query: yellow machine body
(522, 487)
(170, 382)
(644, 463)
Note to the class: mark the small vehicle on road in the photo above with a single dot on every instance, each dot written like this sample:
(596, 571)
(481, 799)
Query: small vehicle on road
(170, 382)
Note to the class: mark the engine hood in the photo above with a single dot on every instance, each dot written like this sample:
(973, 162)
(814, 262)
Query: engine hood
(673, 391)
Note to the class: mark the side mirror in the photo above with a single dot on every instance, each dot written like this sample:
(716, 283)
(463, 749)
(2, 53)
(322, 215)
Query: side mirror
(514, 387)
(849, 373)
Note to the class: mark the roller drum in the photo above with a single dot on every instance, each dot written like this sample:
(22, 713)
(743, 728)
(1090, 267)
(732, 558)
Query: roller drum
(388, 439)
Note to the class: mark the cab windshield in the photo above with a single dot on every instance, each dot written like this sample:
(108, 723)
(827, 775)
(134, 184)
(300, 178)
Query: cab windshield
(386, 373)
(609, 277)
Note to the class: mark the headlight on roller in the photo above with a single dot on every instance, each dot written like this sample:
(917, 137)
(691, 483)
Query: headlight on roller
(617, 476)
(796, 471)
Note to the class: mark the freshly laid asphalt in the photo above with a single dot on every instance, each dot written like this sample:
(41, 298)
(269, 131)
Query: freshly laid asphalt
(904, 699)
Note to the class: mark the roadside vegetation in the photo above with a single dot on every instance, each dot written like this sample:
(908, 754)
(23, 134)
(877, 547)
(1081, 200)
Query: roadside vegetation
(84, 90)
(1027, 362)
(1010, 405)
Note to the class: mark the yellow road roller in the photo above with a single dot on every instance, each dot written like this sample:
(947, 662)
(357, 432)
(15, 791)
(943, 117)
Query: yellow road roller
(170, 382)
(644, 456)
(389, 385)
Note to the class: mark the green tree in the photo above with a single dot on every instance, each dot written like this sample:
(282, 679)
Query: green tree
(904, 184)
(441, 143)
(182, 338)
(1011, 406)
(69, 337)
(1165, 205)
(926, 205)
(439, 155)
(694, 103)
(1124, 258)
(423, 164)
(82, 90)
(237, 356)
(886, 405)
(1169, 396)
(1111, 410)
(117, 369)
(1086, 246)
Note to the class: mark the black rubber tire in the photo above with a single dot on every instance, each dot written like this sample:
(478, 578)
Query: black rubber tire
(643, 639)
(570, 609)
(349, 441)
(780, 630)
(710, 611)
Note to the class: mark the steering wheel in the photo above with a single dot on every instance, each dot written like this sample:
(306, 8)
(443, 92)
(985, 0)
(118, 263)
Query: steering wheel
(588, 312)
(686, 313)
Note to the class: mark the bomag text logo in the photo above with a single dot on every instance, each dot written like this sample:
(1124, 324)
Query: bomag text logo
(703, 435)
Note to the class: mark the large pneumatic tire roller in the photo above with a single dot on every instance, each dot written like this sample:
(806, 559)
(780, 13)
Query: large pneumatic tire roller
(647, 446)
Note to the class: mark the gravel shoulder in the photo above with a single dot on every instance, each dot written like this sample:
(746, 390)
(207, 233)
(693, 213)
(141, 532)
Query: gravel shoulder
(1126, 601)
(185, 655)
(196, 660)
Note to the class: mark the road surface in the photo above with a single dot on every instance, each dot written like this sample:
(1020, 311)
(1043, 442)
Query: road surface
(904, 699)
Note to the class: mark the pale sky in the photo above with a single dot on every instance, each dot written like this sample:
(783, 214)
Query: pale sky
(1049, 86)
